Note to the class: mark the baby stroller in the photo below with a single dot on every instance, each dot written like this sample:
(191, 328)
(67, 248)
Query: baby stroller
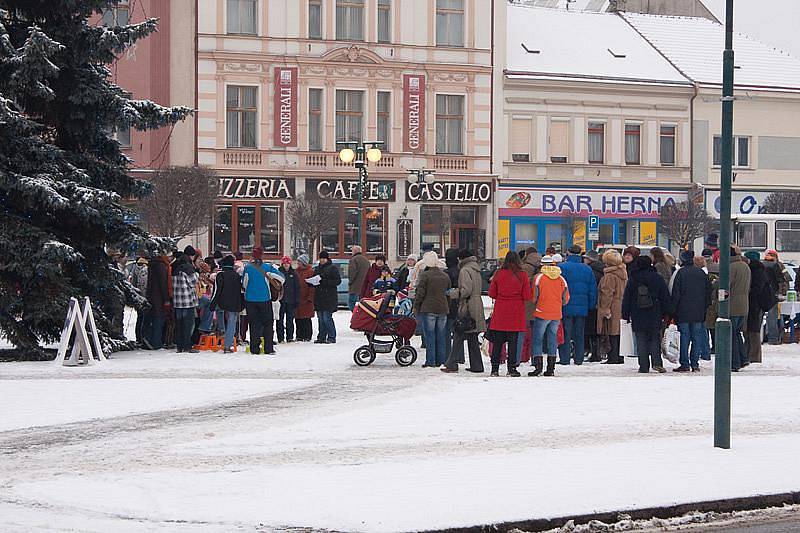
(371, 315)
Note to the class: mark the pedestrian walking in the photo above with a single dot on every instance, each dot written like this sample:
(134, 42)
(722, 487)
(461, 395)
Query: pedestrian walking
(227, 300)
(779, 279)
(592, 260)
(739, 307)
(305, 306)
(691, 296)
(258, 301)
(510, 290)
(609, 306)
(432, 305)
(583, 296)
(645, 303)
(326, 279)
(550, 296)
(290, 299)
(184, 301)
(471, 319)
(356, 271)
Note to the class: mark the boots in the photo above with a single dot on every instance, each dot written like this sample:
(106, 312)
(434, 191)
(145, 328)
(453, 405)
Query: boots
(551, 365)
(495, 371)
(594, 350)
(538, 362)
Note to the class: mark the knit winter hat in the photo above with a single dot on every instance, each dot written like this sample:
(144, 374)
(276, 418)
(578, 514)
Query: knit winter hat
(557, 258)
(258, 253)
(303, 259)
(430, 259)
(771, 254)
(752, 255)
(687, 256)
(547, 260)
(190, 251)
(323, 254)
(286, 260)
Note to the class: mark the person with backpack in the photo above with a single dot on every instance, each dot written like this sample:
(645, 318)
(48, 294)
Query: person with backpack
(691, 296)
(550, 295)
(609, 305)
(645, 303)
(510, 290)
(778, 278)
(583, 296)
(289, 301)
(227, 300)
(258, 300)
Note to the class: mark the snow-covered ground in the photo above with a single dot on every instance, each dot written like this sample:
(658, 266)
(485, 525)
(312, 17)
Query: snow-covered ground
(305, 439)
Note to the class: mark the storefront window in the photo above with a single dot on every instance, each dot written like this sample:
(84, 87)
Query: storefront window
(330, 240)
(432, 226)
(270, 229)
(222, 228)
(340, 239)
(527, 235)
(375, 229)
(464, 215)
(350, 228)
(554, 236)
(606, 234)
(787, 236)
(246, 228)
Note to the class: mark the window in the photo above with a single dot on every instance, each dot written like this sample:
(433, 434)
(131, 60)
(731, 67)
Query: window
(432, 224)
(270, 229)
(384, 21)
(521, 132)
(559, 143)
(315, 19)
(449, 22)
(117, 16)
(223, 231)
(633, 144)
(349, 115)
(449, 124)
(239, 227)
(341, 238)
(375, 229)
(315, 119)
(668, 145)
(350, 20)
(246, 228)
(384, 116)
(787, 235)
(752, 235)
(241, 117)
(741, 151)
(242, 16)
(597, 135)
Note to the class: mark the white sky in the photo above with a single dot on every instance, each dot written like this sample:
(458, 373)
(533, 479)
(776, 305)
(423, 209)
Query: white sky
(773, 22)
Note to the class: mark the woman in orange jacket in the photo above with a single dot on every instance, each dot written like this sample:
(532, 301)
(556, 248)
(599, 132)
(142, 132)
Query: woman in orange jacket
(550, 295)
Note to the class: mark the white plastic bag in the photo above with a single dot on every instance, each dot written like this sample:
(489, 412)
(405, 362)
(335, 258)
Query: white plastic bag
(671, 344)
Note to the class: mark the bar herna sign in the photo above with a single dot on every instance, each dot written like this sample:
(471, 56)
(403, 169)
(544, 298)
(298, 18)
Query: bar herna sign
(622, 203)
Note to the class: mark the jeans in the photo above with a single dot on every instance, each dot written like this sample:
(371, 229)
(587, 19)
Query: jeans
(228, 320)
(184, 327)
(420, 328)
(154, 329)
(457, 353)
(206, 316)
(774, 325)
(285, 323)
(649, 349)
(259, 316)
(573, 340)
(352, 300)
(691, 332)
(738, 353)
(501, 338)
(544, 331)
(434, 327)
(327, 329)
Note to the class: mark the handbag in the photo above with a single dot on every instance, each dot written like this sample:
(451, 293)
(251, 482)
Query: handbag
(463, 324)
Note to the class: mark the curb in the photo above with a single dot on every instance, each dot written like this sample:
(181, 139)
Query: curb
(721, 506)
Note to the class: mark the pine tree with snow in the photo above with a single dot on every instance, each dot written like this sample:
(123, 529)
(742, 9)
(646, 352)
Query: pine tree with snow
(62, 177)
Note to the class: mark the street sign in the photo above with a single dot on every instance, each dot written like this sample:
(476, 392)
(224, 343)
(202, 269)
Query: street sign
(593, 230)
(593, 235)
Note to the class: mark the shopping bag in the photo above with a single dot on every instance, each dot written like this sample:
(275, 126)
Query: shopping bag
(626, 346)
(671, 344)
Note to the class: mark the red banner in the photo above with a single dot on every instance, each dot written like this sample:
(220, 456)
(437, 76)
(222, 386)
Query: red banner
(285, 107)
(413, 113)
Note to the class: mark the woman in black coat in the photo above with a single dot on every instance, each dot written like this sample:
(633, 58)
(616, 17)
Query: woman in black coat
(645, 309)
(759, 283)
(326, 298)
(227, 299)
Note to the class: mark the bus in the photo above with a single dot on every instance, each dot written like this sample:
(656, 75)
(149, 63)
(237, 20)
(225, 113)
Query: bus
(769, 232)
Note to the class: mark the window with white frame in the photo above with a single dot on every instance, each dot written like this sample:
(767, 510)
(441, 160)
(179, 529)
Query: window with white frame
(384, 21)
(241, 110)
(633, 144)
(242, 16)
(596, 142)
(315, 119)
(741, 151)
(521, 133)
(449, 22)
(349, 116)
(315, 19)
(449, 124)
(667, 144)
(559, 141)
(350, 20)
(384, 129)
(116, 16)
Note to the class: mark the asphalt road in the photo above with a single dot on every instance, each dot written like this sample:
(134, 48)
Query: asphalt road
(788, 525)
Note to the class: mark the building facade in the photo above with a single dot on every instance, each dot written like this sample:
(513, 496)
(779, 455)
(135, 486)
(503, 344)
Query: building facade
(281, 82)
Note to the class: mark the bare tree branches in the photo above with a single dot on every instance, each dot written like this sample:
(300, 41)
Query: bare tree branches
(782, 202)
(181, 202)
(686, 221)
(309, 216)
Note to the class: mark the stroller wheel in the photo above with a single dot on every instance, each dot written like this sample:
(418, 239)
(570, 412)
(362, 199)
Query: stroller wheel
(364, 356)
(405, 356)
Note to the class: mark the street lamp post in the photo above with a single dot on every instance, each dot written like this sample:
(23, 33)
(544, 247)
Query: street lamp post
(355, 152)
(423, 177)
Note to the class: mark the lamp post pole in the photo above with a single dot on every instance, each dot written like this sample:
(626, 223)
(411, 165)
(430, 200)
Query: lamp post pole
(426, 177)
(722, 366)
(359, 153)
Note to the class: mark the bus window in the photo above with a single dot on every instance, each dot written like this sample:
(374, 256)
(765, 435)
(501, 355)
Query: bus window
(751, 235)
(787, 235)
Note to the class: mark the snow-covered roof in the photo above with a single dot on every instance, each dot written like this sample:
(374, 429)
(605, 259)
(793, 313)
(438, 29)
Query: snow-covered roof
(555, 42)
(695, 46)
(572, 5)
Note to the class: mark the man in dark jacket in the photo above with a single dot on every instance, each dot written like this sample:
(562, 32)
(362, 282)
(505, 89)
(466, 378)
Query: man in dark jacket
(157, 294)
(451, 264)
(326, 297)
(227, 299)
(592, 260)
(739, 307)
(645, 303)
(582, 297)
(372, 275)
(289, 301)
(760, 294)
(778, 278)
(691, 296)
(356, 272)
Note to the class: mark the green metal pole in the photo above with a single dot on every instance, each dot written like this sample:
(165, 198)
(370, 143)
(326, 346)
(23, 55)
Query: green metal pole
(722, 368)
(362, 179)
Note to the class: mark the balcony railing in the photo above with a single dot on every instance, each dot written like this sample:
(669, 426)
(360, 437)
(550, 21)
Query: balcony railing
(450, 163)
(263, 159)
(245, 159)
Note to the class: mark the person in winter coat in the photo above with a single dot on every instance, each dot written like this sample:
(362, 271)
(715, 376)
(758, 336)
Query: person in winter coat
(356, 271)
(583, 296)
(289, 301)
(451, 269)
(629, 257)
(385, 283)
(258, 301)
(372, 275)
(691, 296)
(432, 305)
(326, 298)
(739, 307)
(305, 307)
(778, 278)
(159, 297)
(713, 309)
(645, 303)
(138, 278)
(705, 347)
(660, 263)
(510, 289)
(592, 260)
(550, 295)
(531, 265)
(759, 285)
(184, 301)
(609, 306)
(227, 299)
(470, 306)
(404, 272)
